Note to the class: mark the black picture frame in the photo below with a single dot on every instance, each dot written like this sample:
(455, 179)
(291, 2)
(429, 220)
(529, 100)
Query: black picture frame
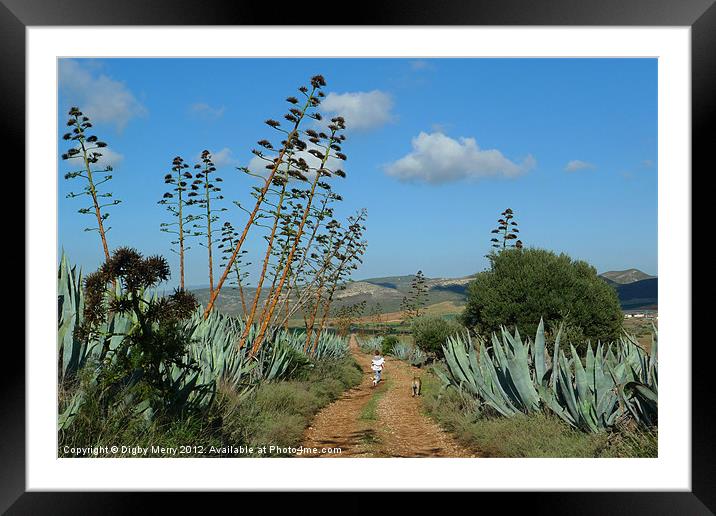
(700, 15)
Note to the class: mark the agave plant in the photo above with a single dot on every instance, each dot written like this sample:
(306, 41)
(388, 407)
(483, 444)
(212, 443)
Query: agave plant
(214, 348)
(329, 346)
(640, 395)
(368, 345)
(411, 354)
(73, 352)
(513, 376)
(191, 388)
(275, 362)
(212, 351)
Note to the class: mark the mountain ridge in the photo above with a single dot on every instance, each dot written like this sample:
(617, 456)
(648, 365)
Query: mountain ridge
(626, 276)
(387, 292)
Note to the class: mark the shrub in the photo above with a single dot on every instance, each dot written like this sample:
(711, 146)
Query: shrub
(150, 363)
(274, 413)
(524, 285)
(431, 332)
(388, 343)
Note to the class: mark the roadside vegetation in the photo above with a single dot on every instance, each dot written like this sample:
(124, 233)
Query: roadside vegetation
(526, 435)
(523, 285)
(136, 366)
(576, 385)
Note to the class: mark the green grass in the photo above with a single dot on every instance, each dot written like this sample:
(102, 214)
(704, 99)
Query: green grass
(534, 435)
(278, 413)
(369, 411)
(273, 414)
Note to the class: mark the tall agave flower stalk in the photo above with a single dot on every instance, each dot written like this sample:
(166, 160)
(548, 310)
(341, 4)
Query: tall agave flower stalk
(307, 287)
(85, 149)
(297, 273)
(507, 231)
(294, 117)
(229, 237)
(203, 191)
(414, 303)
(345, 316)
(287, 233)
(348, 257)
(281, 181)
(176, 201)
(333, 241)
(327, 143)
(301, 279)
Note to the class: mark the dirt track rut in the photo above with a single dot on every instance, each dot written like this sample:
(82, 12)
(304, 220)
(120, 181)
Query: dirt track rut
(395, 428)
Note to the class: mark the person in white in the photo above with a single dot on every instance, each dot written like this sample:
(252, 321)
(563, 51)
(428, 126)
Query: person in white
(377, 365)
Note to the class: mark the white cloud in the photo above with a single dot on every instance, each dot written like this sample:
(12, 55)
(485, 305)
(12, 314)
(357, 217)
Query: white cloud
(361, 110)
(204, 110)
(108, 158)
(224, 158)
(420, 64)
(101, 98)
(437, 158)
(576, 164)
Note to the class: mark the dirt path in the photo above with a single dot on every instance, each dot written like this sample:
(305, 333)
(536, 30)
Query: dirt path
(385, 421)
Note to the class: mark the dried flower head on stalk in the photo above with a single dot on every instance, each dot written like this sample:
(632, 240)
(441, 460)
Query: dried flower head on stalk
(278, 158)
(507, 230)
(85, 148)
(176, 201)
(204, 191)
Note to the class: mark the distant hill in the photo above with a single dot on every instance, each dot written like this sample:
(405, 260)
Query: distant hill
(636, 289)
(389, 291)
(637, 295)
(625, 277)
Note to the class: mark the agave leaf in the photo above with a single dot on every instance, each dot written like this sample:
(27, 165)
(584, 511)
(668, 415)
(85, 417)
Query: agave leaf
(564, 385)
(67, 416)
(539, 347)
(642, 390)
(555, 359)
(549, 398)
(580, 376)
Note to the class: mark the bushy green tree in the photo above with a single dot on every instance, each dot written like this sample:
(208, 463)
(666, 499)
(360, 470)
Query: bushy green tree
(523, 285)
(431, 332)
(388, 344)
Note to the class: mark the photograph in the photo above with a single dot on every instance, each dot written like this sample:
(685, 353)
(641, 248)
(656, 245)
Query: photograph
(357, 257)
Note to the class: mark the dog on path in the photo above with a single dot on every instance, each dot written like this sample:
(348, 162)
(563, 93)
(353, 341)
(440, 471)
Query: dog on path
(416, 386)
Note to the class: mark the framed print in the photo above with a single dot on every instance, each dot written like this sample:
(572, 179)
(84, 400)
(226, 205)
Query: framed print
(432, 248)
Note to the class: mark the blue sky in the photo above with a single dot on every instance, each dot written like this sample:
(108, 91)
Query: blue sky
(436, 150)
